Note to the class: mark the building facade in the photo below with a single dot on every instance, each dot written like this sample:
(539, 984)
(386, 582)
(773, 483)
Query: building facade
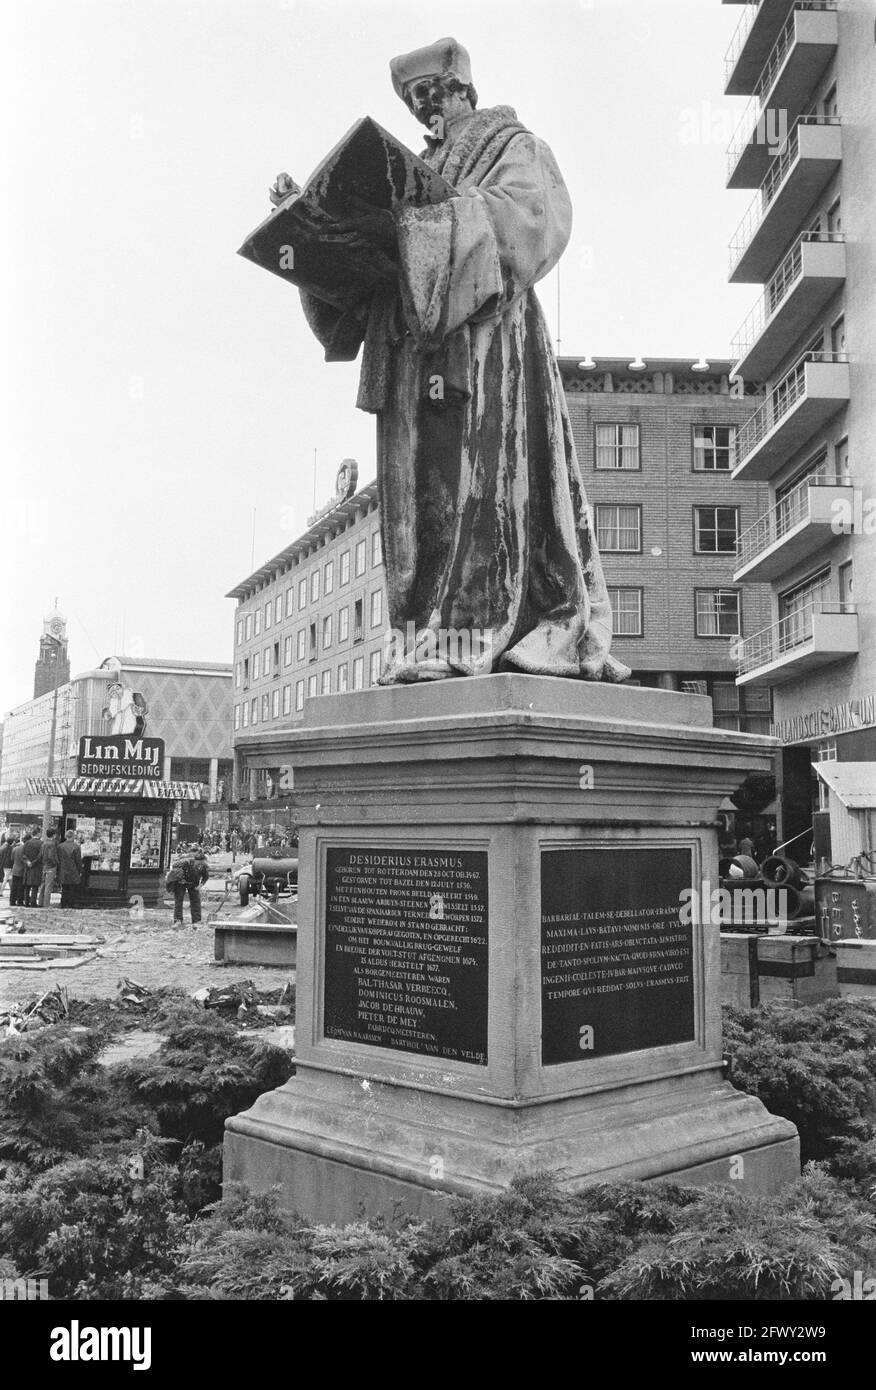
(656, 442)
(53, 663)
(806, 144)
(187, 704)
(309, 622)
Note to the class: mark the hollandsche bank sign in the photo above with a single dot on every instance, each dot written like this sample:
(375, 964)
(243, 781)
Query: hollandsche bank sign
(837, 719)
(120, 755)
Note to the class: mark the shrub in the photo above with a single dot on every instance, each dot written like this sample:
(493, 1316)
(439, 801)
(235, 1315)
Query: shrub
(816, 1065)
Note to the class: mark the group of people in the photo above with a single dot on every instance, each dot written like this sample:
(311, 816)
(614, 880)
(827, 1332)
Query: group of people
(35, 863)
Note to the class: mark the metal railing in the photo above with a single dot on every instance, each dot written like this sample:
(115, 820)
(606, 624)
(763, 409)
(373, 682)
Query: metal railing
(777, 289)
(775, 177)
(779, 401)
(782, 517)
(746, 23)
(790, 632)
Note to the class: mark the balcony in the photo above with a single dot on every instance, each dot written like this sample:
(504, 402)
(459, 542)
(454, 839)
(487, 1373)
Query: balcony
(754, 40)
(810, 156)
(809, 395)
(808, 277)
(805, 519)
(801, 53)
(816, 636)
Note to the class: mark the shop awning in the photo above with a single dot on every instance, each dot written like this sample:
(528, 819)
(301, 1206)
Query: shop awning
(117, 786)
(853, 783)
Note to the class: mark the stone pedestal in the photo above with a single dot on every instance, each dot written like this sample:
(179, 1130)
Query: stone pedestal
(499, 967)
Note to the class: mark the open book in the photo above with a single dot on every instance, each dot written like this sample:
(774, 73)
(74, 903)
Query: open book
(297, 241)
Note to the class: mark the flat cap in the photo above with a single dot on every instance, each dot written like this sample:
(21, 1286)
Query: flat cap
(444, 58)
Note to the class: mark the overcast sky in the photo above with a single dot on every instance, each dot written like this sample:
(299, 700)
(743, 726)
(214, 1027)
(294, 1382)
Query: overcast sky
(157, 386)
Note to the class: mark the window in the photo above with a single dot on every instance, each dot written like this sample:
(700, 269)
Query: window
(360, 557)
(302, 594)
(846, 583)
(325, 684)
(301, 644)
(299, 695)
(276, 666)
(343, 624)
(342, 677)
(830, 104)
(327, 632)
(275, 703)
(376, 548)
(287, 650)
(314, 586)
(237, 716)
(617, 446)
(835, 217)
(239, 631)
(266, 707)
(838, 336)
(618, 528)
(841, 457)
(290, 600)
(358, 672)
(796, 607)
(626, 612)
(278, 608)
(358, 620)
(258, 621)
(311, 685)
(717, 613)
(254, 710)
(238, 674)
(269, 613)
(287, 699)
(312, 643)
(266, 663)
(255, 665)
(248, 626)
(345, 567)
(328, 583)
(374, 668)
(716, 530)
(245, 712)
(714, 448)
(246, 673)
(377, 608)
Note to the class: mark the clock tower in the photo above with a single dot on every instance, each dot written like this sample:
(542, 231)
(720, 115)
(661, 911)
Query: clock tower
(53, 664)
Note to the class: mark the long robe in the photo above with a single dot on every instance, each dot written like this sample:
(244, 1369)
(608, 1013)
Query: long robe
(490, 553)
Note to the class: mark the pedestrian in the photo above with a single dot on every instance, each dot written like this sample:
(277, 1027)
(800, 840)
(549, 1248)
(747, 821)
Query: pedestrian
(19, 865)
(33, 870)
(186, 876)
(6, 852)
(50, 866)
(69, 868)
(746, 845)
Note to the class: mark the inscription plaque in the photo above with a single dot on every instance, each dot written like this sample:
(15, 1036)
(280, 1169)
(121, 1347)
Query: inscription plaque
(616, 958)
(406, 950)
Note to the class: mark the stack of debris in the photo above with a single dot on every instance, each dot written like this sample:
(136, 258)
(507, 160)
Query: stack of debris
(51, 1007)
(252, 1007)
(24, 950)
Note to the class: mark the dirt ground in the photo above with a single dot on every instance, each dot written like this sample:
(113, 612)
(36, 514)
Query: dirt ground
(146, 949)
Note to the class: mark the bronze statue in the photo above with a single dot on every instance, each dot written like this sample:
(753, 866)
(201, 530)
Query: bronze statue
(489, 546)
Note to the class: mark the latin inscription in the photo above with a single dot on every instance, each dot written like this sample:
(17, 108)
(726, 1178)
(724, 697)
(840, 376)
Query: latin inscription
(406, 950)
(616, 959)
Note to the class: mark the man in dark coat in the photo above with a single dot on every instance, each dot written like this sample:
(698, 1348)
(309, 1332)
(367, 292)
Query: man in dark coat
(33, 870)
(50, 864)
(194, 872)
(69, 868)
(7, 850)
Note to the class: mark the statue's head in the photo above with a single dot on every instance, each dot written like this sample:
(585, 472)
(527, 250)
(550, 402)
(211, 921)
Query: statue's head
(435, 81)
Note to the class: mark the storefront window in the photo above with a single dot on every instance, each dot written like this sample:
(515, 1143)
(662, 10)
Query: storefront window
(105, 844)
(146, 843)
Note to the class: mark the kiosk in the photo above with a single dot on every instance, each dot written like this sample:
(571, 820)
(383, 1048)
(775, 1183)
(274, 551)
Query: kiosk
(123, 821)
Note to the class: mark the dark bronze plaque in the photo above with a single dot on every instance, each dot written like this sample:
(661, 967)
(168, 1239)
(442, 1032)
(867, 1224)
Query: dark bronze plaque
(616, 958)
(406, 950)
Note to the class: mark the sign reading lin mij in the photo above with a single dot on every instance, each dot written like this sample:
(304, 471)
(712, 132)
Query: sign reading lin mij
(120, 755)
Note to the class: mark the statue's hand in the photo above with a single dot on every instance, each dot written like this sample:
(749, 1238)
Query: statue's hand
(281, 189)
(376, 225)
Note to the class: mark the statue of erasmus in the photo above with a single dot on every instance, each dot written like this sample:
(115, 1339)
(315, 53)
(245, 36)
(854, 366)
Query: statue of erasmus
(486, 528)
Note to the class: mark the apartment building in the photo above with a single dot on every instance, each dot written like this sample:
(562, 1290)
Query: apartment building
(657, 442)
(806, 145)
(309, 622)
